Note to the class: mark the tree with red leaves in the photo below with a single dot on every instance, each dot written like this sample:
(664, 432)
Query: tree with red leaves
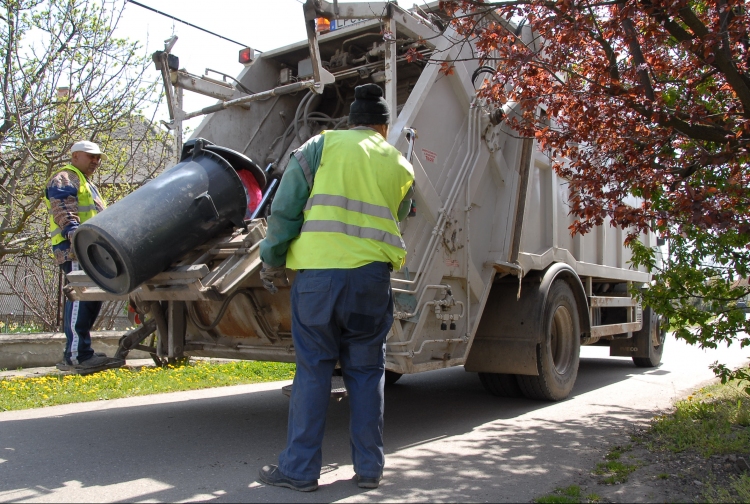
(649, 99)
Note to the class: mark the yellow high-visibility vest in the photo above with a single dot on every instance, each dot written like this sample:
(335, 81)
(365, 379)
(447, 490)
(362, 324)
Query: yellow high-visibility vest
(350, 216)
(86, 205)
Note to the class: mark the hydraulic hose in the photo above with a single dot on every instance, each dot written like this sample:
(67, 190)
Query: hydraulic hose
(224, 305)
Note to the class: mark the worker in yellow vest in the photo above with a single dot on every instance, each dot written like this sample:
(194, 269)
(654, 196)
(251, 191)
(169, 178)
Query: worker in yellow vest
(335, 220)
(72, 198)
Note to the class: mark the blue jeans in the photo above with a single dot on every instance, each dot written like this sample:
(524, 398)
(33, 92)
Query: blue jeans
(338, 315)
(78, 319)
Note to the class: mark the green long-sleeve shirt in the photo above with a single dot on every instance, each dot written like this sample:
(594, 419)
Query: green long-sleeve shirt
(286, 217)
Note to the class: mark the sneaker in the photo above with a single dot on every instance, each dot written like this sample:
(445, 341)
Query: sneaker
(363, 482)
(98, 362)
(64, 366)
(271, 475)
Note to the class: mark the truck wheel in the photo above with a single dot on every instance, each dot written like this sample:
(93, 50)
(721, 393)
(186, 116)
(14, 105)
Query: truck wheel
(501, 384)
(392, 377)
(652, 336)
(558, 352)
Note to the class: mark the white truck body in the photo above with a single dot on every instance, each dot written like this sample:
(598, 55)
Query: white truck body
(490, 239)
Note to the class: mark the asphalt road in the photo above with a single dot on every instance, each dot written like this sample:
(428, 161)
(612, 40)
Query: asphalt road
(446, 439)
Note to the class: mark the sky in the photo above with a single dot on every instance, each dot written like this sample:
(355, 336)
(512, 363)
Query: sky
(261, 24)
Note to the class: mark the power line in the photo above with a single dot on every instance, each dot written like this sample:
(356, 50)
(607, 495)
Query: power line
(189, 24)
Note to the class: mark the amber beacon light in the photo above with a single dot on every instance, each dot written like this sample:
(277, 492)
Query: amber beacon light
(322, 25)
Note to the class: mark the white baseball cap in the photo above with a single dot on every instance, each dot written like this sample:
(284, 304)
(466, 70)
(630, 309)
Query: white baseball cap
(88, 148)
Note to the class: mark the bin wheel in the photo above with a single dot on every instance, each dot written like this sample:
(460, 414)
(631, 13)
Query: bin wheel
(501, 384)
(652, 336)
(558, 353)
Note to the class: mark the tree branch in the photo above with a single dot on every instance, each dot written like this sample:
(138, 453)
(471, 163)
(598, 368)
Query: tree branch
(635, 50)
(740, 83)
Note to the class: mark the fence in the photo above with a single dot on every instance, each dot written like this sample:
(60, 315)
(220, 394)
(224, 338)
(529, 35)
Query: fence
(31, 298)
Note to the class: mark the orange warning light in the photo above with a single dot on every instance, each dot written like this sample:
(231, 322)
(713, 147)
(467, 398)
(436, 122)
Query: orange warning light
(322, 25)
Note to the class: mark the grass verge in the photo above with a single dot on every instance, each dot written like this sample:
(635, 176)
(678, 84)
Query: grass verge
(714, 421)
(25, 393)
(568, 495)
(738, 490)
(614, 471)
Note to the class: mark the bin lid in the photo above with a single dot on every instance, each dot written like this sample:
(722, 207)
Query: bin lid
(240, 162)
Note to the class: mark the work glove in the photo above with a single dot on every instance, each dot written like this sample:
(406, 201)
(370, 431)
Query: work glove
(269, 274)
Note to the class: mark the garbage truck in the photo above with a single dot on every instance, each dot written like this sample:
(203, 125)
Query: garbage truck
(493, 281)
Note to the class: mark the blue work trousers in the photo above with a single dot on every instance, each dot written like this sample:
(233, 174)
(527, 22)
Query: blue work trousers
(338, 315)
(78, 319)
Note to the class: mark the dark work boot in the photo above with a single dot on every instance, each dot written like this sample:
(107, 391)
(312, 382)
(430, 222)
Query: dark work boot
(363, 482)
(271, 475)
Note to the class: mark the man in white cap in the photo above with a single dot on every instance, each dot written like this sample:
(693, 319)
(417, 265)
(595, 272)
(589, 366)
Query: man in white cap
(72, 198)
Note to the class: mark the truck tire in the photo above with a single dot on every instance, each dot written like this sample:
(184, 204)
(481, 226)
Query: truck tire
(651, 336)
(392, 377)
(559, 351)
(501, 384)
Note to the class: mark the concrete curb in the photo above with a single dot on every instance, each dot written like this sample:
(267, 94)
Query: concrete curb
(46, 349)
(132, 364)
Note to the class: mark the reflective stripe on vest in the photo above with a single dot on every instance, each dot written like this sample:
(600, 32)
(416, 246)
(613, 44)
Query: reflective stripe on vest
(86, 204)
(349, 218)
(330, 226)
(352, 205)
(305, 168)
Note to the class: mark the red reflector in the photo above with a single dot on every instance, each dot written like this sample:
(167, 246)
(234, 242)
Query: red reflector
(247, 55)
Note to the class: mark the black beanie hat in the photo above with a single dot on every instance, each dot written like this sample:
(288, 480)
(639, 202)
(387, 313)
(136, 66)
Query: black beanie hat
(369, 106)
